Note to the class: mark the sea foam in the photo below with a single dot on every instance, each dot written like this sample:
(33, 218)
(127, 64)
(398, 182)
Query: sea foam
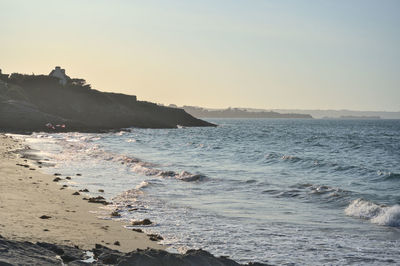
(378, 214)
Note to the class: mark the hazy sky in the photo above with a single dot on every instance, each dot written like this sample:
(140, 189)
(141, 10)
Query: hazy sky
(250, 53)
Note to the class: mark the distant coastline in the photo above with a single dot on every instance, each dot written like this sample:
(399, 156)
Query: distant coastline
(354, 117)
(239, 113)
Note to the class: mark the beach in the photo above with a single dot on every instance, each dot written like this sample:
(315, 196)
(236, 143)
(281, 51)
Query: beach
(275, 194)
(26, 194)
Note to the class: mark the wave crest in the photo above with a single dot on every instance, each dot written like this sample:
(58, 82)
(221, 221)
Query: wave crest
(377, 214)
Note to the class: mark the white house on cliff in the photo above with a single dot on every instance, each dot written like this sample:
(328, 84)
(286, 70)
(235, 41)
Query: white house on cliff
(59, 73)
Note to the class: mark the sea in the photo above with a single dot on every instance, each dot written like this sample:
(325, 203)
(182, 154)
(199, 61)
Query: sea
(276, 191)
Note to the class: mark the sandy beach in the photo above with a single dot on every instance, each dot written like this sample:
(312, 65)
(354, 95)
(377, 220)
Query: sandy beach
(26, 194)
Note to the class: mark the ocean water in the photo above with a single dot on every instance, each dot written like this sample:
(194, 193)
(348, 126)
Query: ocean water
(304, 192)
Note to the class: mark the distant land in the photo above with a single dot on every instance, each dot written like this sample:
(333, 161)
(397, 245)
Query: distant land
(239, 113)
(359, 117)
(57, 102)
(342, 114)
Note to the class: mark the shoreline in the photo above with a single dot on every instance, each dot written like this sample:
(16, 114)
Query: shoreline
(43, 223)
(26, 194)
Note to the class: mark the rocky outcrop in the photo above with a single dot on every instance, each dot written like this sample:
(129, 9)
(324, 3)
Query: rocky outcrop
(28, 103)
(41, 253)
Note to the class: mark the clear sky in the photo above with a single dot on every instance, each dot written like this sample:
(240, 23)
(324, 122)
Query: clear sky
(214, 53)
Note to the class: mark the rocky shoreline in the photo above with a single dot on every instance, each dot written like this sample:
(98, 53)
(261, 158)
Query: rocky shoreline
(42, 253)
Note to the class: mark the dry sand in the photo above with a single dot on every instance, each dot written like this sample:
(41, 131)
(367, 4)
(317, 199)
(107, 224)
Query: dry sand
(26, 195)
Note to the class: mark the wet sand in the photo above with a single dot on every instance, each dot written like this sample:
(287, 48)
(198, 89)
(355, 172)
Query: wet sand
(26, 194)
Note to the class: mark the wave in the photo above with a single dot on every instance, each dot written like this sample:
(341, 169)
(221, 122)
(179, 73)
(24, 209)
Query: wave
(145, 169)
(312, 193)
(389, 175)
(78, 146)
(377, 214)
(308, 191)
(291, 158)
(143, 184)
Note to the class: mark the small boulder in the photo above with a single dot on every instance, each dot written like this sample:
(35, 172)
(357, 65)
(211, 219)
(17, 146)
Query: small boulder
(76, 193)
(98, 199)
(143, 222)
(154, 237)
(115, 214)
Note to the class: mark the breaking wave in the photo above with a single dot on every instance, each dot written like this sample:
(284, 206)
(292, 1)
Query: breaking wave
(377, 214)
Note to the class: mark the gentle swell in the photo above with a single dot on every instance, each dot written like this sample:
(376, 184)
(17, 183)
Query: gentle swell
(377, 214)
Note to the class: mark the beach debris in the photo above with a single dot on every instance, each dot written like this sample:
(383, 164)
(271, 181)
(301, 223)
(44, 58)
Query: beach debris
(85, 198)
(137, 230)
(32, 169)
(143, 222)
(68, 178)
(64, 186)
(45, 230)
(98, 199)
(78, 174)
(155, 237)
(56, 179)
(84, 190)
(76, 193)
(57, 174)
(101, 190)
(117, 243)
(45, 217)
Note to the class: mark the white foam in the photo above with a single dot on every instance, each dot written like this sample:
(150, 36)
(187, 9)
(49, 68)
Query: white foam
(378, 214)
(143, 184)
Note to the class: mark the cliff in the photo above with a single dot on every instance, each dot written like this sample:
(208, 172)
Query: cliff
(29, 102)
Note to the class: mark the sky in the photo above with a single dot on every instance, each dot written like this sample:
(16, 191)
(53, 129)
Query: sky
(332, 54)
